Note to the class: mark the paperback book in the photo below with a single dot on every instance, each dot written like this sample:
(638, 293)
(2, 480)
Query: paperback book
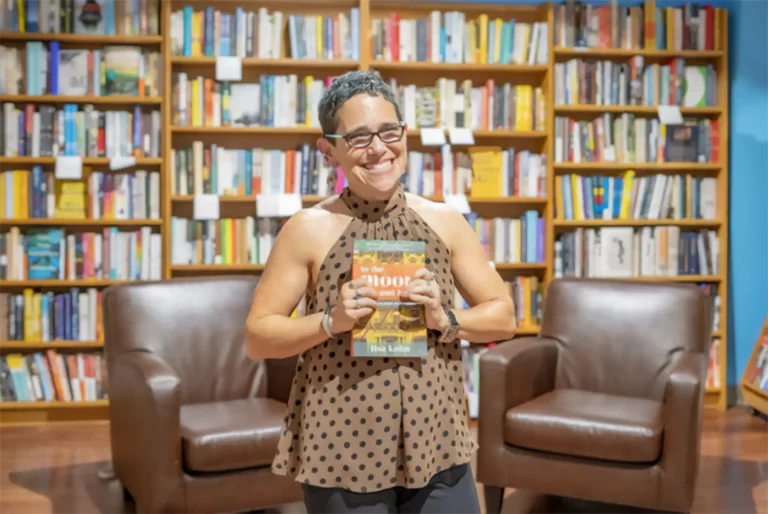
(397, 328)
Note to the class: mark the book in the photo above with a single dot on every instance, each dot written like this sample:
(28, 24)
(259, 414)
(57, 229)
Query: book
(397, 328)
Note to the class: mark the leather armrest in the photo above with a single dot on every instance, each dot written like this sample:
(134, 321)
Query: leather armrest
(145, 403)
(683, 411)
(511, 373)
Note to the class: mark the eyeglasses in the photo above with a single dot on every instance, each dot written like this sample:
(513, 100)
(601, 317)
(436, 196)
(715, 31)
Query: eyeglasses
(364, 139)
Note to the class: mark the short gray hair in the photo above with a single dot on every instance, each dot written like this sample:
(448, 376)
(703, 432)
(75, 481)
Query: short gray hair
(345, 87)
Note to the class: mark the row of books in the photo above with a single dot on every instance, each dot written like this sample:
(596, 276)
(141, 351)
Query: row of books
(249, 240)
(757, 373)
(209, 32)
(450, 37)
(692, 26)
(36, 130)
(655, 197)
(100, 17)
(46, 253)
(42, 317)
(273, 101)
(479, 173)
(621, 252)
(214, 169)
(53, 376)
(605, 82)
(626, 138)
(47, 69)
(37, 194)
(484, 105)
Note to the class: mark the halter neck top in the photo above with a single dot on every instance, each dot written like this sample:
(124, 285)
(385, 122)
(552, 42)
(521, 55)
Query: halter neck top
(367, 424)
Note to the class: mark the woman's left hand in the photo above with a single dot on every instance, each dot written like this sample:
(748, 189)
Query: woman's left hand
(424, 289)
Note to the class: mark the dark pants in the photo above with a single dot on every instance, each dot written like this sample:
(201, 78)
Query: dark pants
(450, 491)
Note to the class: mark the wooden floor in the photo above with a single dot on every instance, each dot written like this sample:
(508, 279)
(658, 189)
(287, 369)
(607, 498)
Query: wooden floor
(55, 468)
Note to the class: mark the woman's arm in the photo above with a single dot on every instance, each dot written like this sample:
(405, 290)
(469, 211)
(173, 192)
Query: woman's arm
(491, 316)
(270, 331)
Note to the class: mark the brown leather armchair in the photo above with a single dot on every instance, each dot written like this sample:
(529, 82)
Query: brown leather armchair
(606, 403)
(194, 423)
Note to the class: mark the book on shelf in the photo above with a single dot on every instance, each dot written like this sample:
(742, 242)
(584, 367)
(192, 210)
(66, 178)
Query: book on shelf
(260, 33)
(453, 37)
(37, 194)
(629, 197)
(45, 68)
(110, 254)
(506, 172)
(756, 373)
(39, 130)
(52, 376)
(34, 316)
(624, 252)
(582, 81)
(627, 138)
(510, 240)
(489, 104)
(397, 327)
(226, 241)
(646, 26)
(83, 17)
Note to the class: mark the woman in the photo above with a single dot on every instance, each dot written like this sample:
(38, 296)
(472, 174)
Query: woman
(374, 434)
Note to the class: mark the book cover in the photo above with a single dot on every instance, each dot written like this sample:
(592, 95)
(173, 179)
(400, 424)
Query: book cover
(397, 328)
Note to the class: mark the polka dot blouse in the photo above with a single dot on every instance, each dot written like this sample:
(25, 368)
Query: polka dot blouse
(367, 424)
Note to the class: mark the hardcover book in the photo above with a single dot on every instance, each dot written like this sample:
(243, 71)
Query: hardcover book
(397, 328)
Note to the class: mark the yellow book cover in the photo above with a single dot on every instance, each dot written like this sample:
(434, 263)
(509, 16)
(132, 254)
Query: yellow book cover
(71, 199)
(397, 328)
(486, 172)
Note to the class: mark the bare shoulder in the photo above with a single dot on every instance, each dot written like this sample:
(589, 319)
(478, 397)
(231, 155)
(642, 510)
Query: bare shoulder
(447, 221)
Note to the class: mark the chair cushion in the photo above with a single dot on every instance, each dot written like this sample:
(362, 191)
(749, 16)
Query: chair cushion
(587, 424)
(231, 435)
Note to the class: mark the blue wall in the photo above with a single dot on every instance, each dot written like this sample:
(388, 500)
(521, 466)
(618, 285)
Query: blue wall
(748, 266)
(748, 291)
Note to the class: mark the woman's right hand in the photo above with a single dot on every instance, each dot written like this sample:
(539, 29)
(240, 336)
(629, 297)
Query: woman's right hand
(357, 299)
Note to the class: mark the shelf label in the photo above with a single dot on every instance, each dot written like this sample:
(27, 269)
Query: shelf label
(277, 206)
(432, 136)
(69, 167)
(461, 136)
(205, 207)
(670, 114)
(119, 163)
(458, 202)
(229, 68)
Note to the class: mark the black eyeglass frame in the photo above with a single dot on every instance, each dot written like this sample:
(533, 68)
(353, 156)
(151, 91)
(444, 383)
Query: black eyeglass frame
(370, 136)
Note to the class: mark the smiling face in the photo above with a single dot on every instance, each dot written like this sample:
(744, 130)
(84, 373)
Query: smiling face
(372, 171)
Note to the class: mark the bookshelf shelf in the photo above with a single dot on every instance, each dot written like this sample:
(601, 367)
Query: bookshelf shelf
(457, 68)
(95, 100)
(649, 167)
(53, 405)
(54, 222)
(46, 345)
(690, 223)
(310, 199)
(80, 39)
(633, 109)
(597, 52)
(87, 161)
(60, 284)
(269, 64)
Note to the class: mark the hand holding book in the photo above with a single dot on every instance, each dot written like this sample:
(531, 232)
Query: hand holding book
(357, 300)
(424, 289)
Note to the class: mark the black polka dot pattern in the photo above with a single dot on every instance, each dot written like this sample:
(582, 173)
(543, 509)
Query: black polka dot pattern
(367, 424)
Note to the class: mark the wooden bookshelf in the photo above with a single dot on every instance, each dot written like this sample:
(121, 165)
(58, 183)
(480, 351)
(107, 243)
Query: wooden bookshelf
(572, 48)
(176, 136)
(754, 396)
(35, 164)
